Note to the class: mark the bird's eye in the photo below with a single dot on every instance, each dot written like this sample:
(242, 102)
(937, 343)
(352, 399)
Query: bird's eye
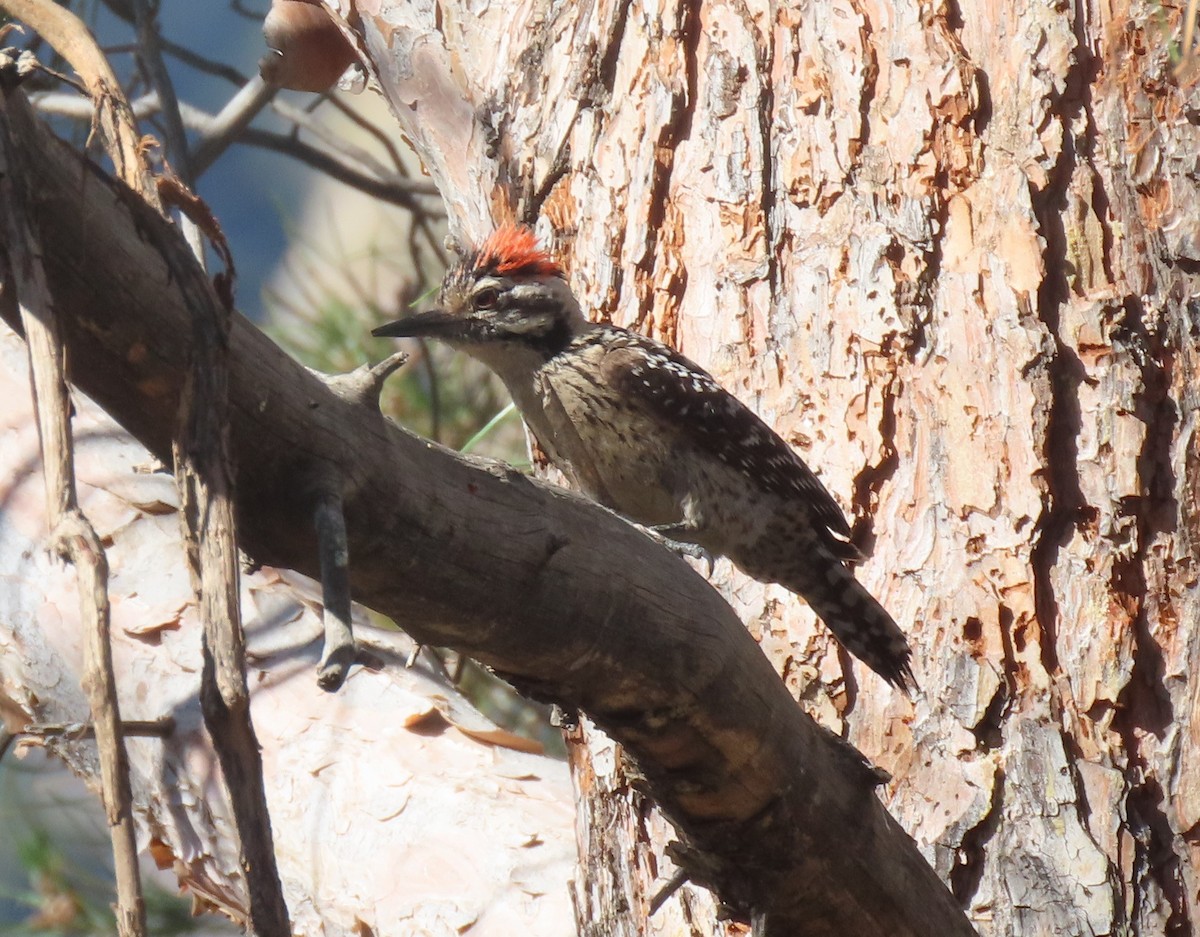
(486, 298)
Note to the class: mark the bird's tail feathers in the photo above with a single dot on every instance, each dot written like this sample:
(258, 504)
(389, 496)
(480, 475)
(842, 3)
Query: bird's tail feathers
(860, 623)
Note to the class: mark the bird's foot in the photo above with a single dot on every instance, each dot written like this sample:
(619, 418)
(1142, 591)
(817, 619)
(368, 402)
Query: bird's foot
(667, 535)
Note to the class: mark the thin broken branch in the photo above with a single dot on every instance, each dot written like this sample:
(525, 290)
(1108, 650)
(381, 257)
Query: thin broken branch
(177, 152)
(228, 127)
(335, 589)
(150, 55)
(365, 385)
(204, 474)
(71, 533)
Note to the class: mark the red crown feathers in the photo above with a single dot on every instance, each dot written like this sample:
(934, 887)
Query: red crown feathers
(513, 251)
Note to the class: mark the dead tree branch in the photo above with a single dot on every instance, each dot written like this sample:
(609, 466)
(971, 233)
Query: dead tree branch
(205, 480)
(150, 55)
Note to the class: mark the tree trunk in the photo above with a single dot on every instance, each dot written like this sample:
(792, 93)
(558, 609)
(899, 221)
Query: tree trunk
(949, 252)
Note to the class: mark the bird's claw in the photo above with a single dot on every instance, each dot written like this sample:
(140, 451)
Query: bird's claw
(682, 547)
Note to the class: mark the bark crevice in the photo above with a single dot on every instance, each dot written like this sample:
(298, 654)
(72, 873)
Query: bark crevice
(967, 875)
(676, 129)
(1065, 508)
(766, 118)
(869, 481)
(870, 77)
(1155, 860)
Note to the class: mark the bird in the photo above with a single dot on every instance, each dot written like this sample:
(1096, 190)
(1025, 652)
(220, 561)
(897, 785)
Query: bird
(651, 435)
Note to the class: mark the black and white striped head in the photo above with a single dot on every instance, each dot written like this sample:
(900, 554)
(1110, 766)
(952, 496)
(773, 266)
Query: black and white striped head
(507, 291)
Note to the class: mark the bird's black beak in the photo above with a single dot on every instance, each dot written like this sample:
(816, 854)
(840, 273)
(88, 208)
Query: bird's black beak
(436, 323)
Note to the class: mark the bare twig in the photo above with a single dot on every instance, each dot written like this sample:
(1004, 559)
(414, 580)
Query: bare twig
(371, 128)
(217, 132)
(121, 8)
(242, 10)
(673, 884)
(205, 477)
(61, 104)
(75, 731)
(435, 390)
(72, 534)
(330, 524)
(422, 226)
(303, 120)
(125, 9)
(150, 54)
(71, 38)
(228, 126)
(395, 189)
(203, 63)
(365, 383)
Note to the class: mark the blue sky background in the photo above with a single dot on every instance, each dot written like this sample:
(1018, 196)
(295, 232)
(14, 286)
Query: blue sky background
(252, 192)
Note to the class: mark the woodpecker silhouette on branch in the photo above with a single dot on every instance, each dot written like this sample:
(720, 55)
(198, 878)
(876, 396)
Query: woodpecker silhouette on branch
(651, 435)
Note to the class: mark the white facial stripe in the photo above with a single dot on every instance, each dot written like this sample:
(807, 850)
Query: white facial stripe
(529, 325)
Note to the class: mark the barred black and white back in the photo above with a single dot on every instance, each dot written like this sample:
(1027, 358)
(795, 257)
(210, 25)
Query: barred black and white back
(661, 442)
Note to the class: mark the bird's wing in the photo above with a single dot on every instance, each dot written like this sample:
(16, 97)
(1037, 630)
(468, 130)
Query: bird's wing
(568, 447)
(676, 391)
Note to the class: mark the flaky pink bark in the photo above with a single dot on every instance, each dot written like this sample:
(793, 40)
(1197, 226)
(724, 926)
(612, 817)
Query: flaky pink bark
(946, 250)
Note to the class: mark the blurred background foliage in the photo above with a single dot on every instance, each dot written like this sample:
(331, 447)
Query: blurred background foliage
(56, 865)
(322, 310)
